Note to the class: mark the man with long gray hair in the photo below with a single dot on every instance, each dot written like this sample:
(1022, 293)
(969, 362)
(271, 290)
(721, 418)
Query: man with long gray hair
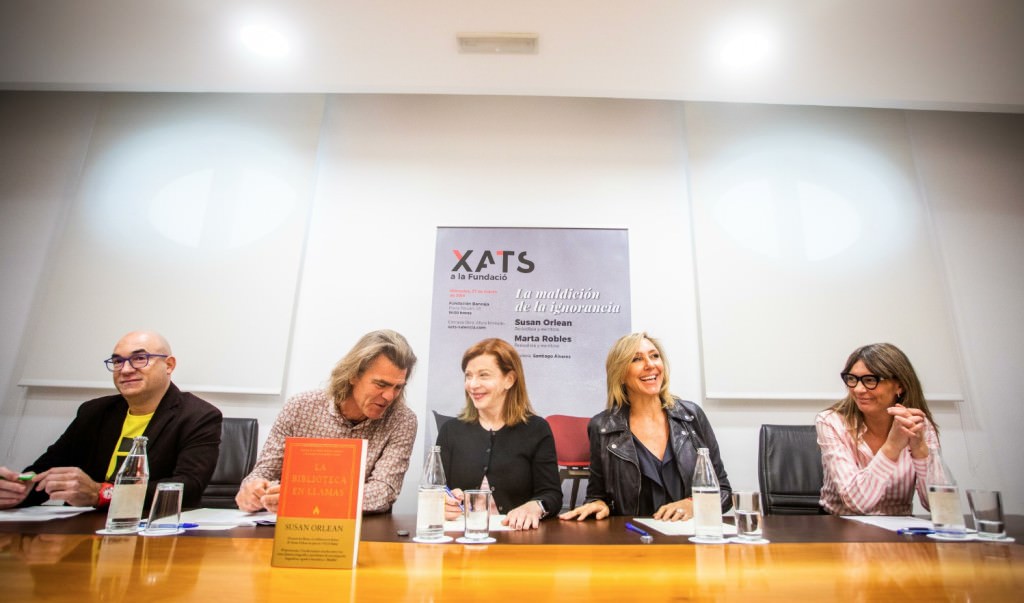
(365, 398)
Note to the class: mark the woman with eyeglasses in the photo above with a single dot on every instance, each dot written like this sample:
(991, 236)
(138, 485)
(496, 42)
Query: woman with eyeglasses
(875, 442)
(498, 442)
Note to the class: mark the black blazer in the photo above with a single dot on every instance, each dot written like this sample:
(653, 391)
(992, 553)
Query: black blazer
(184, 441)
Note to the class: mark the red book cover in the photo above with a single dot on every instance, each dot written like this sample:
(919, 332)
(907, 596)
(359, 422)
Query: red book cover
(320, 511)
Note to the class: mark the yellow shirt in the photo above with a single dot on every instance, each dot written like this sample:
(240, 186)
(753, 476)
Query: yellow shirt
(133, 426)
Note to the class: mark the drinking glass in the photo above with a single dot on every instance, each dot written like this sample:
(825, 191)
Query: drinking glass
(477, 505)
(987, 510)
(747, 510)
(165, 512)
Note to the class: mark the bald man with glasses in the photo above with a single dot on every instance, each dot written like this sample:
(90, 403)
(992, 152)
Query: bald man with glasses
(183, 434)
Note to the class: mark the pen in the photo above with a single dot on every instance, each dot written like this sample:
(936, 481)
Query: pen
(633, 528)
(644, 536)
(449, 492)
(183, 526)
(23, 477)
(915, 531)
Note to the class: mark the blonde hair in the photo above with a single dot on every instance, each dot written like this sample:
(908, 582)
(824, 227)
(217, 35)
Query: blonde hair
(617, 365)
(517, 407)
(888, 362)
(391, 344)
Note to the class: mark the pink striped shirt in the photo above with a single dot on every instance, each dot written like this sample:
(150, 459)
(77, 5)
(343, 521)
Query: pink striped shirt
(858, 482)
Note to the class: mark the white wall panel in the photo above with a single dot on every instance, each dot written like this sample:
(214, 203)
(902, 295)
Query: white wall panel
(812, 240)
(190, 219)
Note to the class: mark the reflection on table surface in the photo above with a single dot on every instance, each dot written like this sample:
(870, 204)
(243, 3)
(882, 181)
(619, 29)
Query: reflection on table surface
(102, 568)
(872, 565)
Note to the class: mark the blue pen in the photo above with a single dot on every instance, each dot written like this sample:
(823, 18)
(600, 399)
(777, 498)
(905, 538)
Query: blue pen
(915, 531)
(644, 536)
(184, 526)
(450, 493)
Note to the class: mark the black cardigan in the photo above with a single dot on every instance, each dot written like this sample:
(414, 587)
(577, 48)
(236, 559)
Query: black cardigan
(184, 441)
(521, 467)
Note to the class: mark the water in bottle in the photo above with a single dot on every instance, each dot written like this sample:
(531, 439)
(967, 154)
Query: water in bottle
(129, 490)
(944, 498)
(430, 503)
(707, 500)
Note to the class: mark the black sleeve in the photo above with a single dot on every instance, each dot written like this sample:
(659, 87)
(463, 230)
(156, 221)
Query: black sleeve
(198, 448)
(547, 487)
(595, 483)
(67, 451)
(707, 434)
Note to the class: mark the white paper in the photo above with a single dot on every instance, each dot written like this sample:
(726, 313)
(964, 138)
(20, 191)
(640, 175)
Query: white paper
(41, 513)
(225, 519)
(457, 525)
(680, 528)
(891, 522)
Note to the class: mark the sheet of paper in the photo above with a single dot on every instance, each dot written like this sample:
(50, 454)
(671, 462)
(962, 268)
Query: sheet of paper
(679, 528)
(891, 522)
(41, 513)
(456, 525)
(225, 519)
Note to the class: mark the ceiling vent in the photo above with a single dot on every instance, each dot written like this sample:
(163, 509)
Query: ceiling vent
(497, 43)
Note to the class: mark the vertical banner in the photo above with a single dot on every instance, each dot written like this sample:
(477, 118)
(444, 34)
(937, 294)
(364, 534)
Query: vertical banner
(559, 295)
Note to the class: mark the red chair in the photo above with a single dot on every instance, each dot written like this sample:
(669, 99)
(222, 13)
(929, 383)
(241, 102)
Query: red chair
(572, 449)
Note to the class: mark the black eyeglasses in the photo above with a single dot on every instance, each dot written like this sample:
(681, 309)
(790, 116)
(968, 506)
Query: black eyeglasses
(138, 361)
(869, 381)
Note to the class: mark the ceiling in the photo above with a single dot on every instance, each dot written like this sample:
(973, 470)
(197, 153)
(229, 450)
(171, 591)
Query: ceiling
(926, 54)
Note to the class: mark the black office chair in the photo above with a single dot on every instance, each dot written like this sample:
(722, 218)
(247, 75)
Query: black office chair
(789, 470)
(237, 458)
(440, 419)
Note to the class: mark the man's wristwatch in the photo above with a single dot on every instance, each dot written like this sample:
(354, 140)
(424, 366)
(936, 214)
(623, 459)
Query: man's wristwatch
(543, 509)
(106, 493)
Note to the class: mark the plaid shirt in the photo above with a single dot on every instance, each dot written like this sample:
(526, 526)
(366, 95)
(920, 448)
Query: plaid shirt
(313, 414)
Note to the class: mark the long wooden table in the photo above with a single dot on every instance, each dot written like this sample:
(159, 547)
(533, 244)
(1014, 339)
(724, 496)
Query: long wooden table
(810, 558)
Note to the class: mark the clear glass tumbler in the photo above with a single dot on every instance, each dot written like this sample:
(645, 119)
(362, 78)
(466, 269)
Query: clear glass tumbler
(165, 512)
(747, 510)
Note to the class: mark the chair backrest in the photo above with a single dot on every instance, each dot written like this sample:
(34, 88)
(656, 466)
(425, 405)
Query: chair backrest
(789, 470)
(236, 459)
(572, 445)
(440, 419)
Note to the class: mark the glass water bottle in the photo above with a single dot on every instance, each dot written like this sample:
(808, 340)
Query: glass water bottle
(707, 499)
(430, 503)
(129, 490)
(944, 498)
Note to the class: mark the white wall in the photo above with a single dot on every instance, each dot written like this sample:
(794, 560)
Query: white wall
(393, 168)
(43, 142)
(970, 168)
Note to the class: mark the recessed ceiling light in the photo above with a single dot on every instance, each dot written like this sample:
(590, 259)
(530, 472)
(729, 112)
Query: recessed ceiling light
(265, 40)
(745, 47)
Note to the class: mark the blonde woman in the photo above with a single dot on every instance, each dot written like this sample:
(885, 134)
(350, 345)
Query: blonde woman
(643, 447)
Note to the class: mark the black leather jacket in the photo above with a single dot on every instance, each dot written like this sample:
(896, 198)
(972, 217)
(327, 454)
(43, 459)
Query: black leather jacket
(614, 466)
